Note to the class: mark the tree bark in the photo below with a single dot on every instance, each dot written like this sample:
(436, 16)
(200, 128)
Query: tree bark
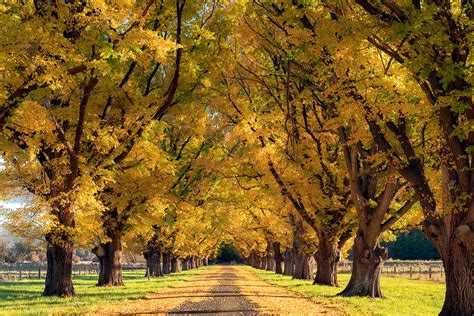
(261, 263)
(289, 263)
(175, 264)
(206, 261)
(278, 258)
(253, 259)
(269, 263)
(308, 267)
(269, 260)
(186, 264)
(453, 236)
(458, 263)
(153, 260)
(366, 267)
(327, 256)
(302, 268)
(59, 269)
(110, 261)
(300, 257)
(166, 263)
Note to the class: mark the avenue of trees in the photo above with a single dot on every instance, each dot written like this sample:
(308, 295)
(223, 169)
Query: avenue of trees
(294, 130)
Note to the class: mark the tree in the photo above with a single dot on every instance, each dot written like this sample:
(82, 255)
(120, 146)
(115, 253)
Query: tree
(58, 127)
(438, 59)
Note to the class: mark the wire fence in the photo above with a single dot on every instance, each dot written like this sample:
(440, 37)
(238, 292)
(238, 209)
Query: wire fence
(416, 269)
(25, 271)
(412, 269)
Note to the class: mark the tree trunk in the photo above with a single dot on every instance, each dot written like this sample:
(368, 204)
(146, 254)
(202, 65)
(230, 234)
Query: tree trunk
(269, 261)
(166, 263)
(278, 258)
(365, 278)
(59, 269)
(453, 236)
(186, 264)
(457, 254)
(302, 268)
(100, 254)
(289, 263)
(308, 268)
(206, 261)
(110, 260)
(253, 260)
(261, 263)
(327, 257)
(153, 260)
(175, 264)
(459, 299)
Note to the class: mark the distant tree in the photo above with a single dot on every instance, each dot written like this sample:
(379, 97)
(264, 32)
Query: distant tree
(412, 245)
(228, 253)
(3, 249)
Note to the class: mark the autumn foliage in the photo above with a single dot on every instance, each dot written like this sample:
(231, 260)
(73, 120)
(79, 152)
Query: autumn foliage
(294, 130)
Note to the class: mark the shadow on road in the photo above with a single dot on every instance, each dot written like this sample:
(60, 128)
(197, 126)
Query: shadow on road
(224, 298)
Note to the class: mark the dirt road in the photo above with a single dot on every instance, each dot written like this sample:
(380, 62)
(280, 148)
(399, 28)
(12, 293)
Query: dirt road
(223, 290)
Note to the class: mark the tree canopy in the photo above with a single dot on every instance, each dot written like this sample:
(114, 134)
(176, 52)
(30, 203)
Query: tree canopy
(292, 130)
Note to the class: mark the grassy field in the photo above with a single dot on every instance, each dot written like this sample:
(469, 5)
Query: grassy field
(403, 296)
(24, 297)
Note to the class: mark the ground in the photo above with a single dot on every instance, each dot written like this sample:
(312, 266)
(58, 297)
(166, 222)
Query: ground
(402, 296)
(227, 290)
(239, 289)
(24, 297)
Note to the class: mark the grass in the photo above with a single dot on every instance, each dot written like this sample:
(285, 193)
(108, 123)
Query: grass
(24, 297)
(403, 296)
